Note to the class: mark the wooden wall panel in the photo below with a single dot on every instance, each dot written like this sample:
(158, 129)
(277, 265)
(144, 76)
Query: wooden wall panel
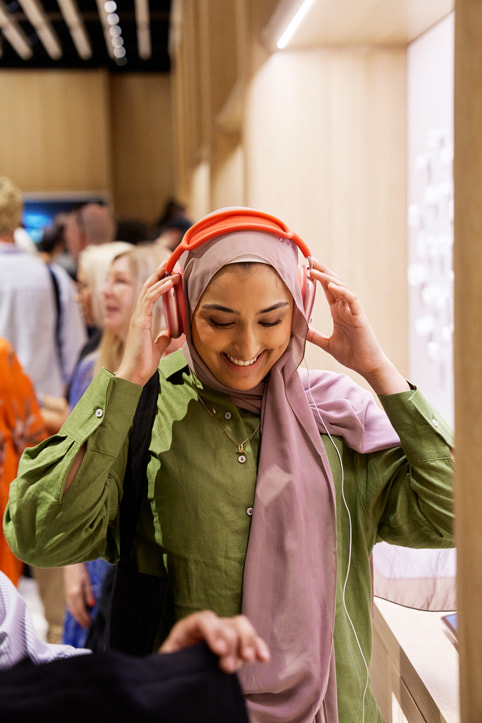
(227, 188)
(87, 131)
(468, 349)
(325, 144)
(54, 130)
(141, 123)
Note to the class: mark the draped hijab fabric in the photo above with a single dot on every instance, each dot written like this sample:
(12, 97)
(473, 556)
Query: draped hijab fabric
(289, 585)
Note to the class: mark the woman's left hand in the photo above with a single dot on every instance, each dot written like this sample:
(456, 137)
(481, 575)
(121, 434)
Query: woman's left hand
(353, 342)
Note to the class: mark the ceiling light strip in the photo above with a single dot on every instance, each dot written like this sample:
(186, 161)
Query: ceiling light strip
(294, 24)
(143, 29)
(36, 16)
(14, 33)
(72, 17)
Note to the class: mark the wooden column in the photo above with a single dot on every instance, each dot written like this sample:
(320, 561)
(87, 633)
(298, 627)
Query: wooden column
(468, 347)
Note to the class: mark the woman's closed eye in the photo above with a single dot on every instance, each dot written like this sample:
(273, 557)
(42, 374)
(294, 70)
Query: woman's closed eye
(228, 324)
(218, 324)
(269, 323)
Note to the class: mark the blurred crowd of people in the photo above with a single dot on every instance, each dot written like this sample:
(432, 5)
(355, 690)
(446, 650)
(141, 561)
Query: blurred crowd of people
(65, 307)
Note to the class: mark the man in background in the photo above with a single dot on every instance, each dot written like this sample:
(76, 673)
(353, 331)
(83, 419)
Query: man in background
(88, 224)
(29, 308)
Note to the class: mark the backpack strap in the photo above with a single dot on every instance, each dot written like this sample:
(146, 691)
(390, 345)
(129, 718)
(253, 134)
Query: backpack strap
(141, 609)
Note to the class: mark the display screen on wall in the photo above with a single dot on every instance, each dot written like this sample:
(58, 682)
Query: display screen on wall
(42, 210)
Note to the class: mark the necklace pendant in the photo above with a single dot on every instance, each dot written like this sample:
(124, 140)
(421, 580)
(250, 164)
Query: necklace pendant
(240, 449)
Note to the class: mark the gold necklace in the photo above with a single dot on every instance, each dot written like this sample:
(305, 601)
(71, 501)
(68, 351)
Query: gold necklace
(240, 445)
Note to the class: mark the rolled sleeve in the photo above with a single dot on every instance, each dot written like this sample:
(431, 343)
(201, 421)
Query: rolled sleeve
(423, 431)
(45, 526)
(416, 506)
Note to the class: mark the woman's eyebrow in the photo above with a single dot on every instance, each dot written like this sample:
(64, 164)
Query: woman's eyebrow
(219, 307)
(227, 310)
(279, 305)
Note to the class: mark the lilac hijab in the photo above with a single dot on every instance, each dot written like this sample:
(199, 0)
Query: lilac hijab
(289, 585)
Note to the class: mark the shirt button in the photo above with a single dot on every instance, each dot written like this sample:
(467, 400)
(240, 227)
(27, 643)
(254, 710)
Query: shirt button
(249, 511)
(227, 415)
(99, 413)
(435, 422)
(242, 458)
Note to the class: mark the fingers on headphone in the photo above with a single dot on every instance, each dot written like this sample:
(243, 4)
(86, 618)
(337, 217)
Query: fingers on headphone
(325, 271)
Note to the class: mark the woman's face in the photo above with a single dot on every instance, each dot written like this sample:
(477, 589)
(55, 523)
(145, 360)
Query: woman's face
(118, 297)
(242, 324)
(84, 297)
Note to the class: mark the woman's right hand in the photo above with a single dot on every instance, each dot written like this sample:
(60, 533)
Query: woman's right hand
(234, 640)
(142, 352)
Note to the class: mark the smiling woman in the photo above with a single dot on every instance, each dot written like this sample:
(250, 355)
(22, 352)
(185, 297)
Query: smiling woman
(265, 488)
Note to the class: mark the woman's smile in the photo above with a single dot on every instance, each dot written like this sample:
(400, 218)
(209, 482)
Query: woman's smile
(240, 362)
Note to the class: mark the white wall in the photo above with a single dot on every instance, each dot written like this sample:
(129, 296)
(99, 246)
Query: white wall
(325, 148)
(430, 62)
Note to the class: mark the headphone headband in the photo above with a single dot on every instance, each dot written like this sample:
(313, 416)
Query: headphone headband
(230, 220)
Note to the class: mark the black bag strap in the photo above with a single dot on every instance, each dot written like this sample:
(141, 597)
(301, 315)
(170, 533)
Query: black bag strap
(141, 612)
(135, 480)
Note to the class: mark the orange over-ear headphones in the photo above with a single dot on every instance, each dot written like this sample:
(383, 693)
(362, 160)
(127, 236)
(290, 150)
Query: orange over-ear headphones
(219, 223)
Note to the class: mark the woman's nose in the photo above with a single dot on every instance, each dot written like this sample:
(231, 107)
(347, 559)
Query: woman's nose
(247, 343)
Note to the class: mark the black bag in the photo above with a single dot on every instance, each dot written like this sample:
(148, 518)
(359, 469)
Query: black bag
(177, 688)
(141, 606)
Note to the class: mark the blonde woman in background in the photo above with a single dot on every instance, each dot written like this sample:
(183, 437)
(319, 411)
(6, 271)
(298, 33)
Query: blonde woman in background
(94, 263)
(108, 295)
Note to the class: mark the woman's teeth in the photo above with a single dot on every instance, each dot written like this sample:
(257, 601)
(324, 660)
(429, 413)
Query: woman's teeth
(240, 362)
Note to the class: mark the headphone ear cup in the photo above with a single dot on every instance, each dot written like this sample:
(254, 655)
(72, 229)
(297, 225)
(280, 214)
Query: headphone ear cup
(174, 308)
(308, 290)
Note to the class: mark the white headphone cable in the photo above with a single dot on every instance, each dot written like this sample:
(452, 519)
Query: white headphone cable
(345, 582)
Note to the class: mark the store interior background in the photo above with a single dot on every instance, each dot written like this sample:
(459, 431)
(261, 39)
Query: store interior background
(347, 134)
(322, 134)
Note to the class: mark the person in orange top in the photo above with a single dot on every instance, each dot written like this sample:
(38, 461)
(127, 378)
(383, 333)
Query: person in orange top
(21, 425)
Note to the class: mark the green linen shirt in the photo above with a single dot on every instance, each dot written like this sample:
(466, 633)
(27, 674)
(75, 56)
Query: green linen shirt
(200, 502)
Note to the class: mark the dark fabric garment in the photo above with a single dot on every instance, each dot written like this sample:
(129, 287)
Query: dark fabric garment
(175, 688)
(95, 639)
(141, 611)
